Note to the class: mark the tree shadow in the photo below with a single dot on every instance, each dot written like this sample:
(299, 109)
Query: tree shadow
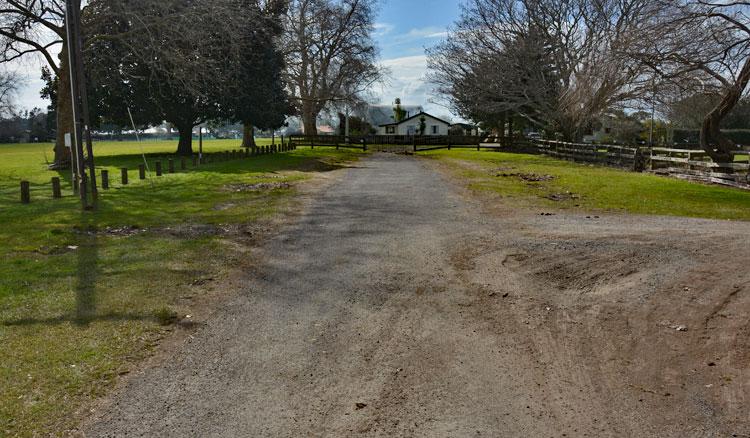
(87, 273)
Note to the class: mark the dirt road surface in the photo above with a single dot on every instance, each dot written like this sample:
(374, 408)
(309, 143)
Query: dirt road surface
(400, 306)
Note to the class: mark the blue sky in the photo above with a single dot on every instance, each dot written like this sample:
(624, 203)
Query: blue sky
(404, 28)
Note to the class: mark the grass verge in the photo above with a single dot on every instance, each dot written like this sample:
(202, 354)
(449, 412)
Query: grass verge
(539, 181)
(84, 296)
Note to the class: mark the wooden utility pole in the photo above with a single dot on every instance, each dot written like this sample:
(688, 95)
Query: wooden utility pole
(79, 98)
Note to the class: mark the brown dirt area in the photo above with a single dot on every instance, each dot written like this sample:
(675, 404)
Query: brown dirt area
(399, 304)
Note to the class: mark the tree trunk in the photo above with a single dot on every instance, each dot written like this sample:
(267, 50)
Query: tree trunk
(510, 129)
(716, 145)
(309, 119)
(248, 135)
(65, 121)
(185, 146)
(501, 124)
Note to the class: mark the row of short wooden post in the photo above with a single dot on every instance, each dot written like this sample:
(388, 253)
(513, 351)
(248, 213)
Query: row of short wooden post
(159, 170)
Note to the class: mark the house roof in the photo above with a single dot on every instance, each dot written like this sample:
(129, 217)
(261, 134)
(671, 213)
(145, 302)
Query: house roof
(378, 115)
(421, 113)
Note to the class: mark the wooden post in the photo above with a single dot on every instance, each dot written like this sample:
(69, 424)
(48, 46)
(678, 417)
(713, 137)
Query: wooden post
(158, 168)
(273, 137)
(25, 192)
(282, 139)
(170, 165)
(312, 142)
(195, 161)
(234, 153)
(414, 143)
(449, 143)
(364, 144)
(142, 171)
(105, 179)
(56, 192)
(183, 163)
(124, 175)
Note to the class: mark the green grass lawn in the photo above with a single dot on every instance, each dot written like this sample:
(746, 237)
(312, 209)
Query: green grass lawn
(590, 188)
(85, 295)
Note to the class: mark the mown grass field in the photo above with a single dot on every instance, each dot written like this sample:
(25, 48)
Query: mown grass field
(588, 188)
(85, 295)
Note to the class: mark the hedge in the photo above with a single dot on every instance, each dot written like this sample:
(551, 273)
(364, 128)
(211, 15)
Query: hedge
(692, 136)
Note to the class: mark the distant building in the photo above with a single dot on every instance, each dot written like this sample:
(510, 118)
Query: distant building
(411, 126)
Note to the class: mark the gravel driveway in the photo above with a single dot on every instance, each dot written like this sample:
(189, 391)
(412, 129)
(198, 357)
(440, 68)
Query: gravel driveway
(397, 307)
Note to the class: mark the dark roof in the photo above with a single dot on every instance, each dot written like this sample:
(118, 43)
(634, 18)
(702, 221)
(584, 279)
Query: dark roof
(414, 117)
(381, 115)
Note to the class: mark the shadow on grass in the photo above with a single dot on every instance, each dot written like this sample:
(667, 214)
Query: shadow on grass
(87, 273)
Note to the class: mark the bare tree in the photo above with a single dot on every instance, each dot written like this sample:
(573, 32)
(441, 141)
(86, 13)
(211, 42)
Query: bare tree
(8, 89)
(557, 63)
(37, 27)
(329, 54)
(701, 47)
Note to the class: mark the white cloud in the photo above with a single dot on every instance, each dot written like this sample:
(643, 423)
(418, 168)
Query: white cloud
(408, 81)
(383, 28)
(427, 32)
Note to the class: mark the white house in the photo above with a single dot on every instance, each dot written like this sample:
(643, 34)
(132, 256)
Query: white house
(411, 125)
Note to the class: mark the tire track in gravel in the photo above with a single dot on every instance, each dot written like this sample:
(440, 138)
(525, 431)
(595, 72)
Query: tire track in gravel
(395, 307)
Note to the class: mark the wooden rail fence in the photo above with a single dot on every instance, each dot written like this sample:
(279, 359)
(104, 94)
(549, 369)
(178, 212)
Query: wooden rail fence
(696, 165)
(414, 143)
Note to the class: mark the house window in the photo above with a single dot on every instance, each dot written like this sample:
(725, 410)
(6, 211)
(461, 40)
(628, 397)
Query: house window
(434, 129)
(390, 129)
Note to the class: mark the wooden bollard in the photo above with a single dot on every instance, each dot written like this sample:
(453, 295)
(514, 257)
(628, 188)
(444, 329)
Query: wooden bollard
(25, 192)
(124, 175)
(56, 192)
(195, 161)
(105, 179)
(234, 154)
(170, 165)
(158, 168)
(142, 171)
(183, 163)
